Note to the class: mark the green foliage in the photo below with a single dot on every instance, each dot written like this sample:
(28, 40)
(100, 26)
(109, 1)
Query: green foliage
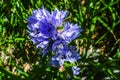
(99, 43)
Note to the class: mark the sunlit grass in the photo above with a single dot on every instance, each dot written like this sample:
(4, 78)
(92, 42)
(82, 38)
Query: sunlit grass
(99, 43)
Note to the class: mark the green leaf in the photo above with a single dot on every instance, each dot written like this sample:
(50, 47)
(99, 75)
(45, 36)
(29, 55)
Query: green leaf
(101, 38)
(19, 39)
(22, 72)
(104, 24)
(93, 24)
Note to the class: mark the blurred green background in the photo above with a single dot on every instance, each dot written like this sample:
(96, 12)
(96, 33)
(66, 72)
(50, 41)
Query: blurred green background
(99, 43)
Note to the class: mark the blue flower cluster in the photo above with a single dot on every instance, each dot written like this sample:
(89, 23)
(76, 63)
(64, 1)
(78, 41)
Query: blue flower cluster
(43, 28)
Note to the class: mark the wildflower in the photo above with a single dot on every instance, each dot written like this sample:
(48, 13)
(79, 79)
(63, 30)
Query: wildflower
(42, 28)
(72, 55)
(76, 70)
(54, 63)
(70, 32)
(58, 17)
(42, 35)
(59, 48)
(39, 15)
(64, 53)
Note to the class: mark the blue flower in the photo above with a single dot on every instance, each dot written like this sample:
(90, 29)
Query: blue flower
(41, 31)
(42, 34)
(59, 45)
(58, 17)
(76, 70)
(59, 48)
(42, 28)
(57, 61)
(72, 55)
(70, 32)
(54, 63)
(66, 56)
(64, 53)
(39, 15)
(55, 18)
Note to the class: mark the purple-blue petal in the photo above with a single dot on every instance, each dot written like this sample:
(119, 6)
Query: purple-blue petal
(70, 32)
(76, 70)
